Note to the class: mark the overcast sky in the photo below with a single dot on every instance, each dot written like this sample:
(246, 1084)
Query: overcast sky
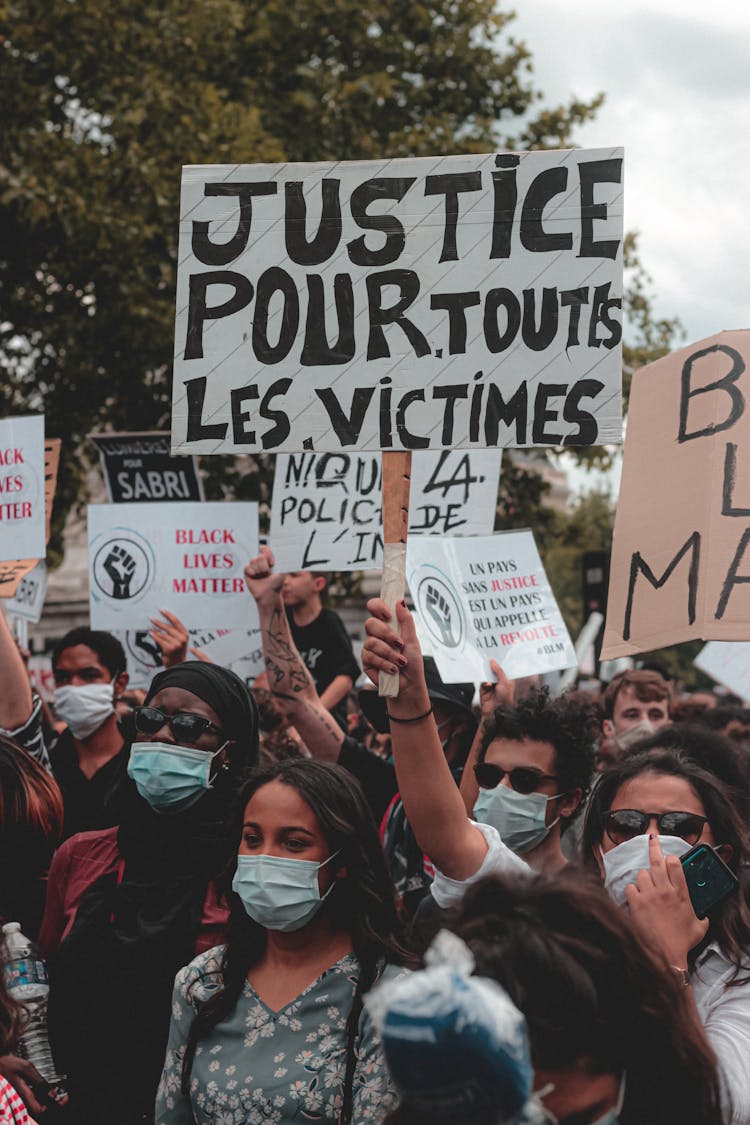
(677, 78)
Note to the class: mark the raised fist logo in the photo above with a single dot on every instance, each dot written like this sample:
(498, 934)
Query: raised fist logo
(121, 569)
(149, 649)
(120, 566)
(440, 612)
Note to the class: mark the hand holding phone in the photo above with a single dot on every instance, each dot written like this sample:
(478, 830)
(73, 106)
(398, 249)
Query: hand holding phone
(709, 880)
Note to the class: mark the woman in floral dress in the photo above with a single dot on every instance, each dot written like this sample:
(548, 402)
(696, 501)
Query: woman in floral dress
(270, 1028)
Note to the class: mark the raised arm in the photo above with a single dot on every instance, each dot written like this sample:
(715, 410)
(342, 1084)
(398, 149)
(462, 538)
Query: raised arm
(491, 695)
(15, 697)
(433, 805)
(289, 679)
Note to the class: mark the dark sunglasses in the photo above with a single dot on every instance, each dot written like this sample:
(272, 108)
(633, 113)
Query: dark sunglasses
(522, 778)
(624, 824)
(184, 725)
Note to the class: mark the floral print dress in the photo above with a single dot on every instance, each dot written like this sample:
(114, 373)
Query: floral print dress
(261, 1067)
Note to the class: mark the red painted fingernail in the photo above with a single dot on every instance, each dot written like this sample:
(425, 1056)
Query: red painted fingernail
(402, 661)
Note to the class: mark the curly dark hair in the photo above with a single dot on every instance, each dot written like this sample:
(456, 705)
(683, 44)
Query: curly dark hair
(363, 903)
(730, 920)
(570, 724)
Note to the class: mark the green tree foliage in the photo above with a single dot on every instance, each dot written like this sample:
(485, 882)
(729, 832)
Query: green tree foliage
(588, 527)
(104, 100)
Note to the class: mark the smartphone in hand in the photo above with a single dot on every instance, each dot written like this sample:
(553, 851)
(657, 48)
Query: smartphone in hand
(708, 878)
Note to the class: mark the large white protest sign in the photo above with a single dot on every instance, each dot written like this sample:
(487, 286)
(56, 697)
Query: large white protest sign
(28, 600)
(431, 303)
(22, 514)
(483, 599)
(185, 558)
(727, 662)
(326, 510)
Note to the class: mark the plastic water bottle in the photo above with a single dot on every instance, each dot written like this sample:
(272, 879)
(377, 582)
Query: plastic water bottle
(26, 981)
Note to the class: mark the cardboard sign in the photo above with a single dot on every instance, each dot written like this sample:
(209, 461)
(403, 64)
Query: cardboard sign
(186, 558)
(487, 598)
(681, 559)
(140, 468)
(727, 662)
(431, 303)
(12, 572)
(28, 600)
(326, 511)
(22, 522)
(51, 465)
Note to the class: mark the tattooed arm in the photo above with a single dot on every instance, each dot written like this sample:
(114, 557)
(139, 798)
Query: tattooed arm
(289, 679)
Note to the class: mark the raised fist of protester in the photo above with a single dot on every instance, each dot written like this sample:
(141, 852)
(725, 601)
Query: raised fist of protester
(660, 907)
(173, 640)
(261, 579)
(386, 651)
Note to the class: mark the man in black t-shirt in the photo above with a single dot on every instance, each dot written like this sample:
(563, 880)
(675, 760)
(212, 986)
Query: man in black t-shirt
(321, 640)
(90, 757)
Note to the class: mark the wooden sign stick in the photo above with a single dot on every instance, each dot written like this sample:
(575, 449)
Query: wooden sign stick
(396, 481)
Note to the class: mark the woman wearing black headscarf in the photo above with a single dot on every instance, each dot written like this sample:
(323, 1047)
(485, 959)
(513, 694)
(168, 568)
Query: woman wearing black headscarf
(129, 906)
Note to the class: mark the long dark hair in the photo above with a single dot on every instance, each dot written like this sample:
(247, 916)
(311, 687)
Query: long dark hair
(590, 989)
(363, 904)
(730, 920)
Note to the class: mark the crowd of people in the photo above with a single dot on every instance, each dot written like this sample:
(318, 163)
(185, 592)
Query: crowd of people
(302, 901)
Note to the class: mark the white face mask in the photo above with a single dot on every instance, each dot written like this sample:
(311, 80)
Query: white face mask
(85, 708)
(623, 863)
(626, 738)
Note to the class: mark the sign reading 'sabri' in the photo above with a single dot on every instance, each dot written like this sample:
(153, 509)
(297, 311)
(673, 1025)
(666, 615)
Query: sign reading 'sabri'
(433, 303)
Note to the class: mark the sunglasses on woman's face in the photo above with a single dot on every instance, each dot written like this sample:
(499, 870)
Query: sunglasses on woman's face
(184, 725)
(624, 824)
(523, 779)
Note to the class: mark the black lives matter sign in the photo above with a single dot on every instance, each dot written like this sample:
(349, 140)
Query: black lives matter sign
(434, 303)
(140, 468)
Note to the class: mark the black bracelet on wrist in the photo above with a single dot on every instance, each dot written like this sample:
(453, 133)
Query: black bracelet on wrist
(414, 719)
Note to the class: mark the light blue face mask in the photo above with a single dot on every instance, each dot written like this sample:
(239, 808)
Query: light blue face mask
(518, 817)
(170, 778)
(280, 893)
